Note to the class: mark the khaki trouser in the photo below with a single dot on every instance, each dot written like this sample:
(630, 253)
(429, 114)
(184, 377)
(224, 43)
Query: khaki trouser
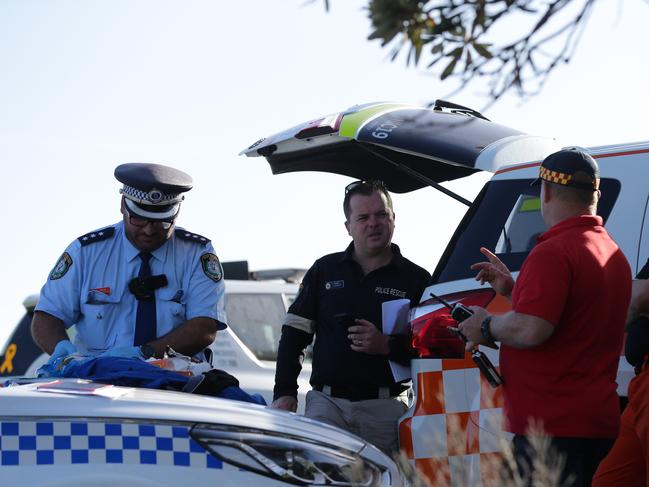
(374, 420)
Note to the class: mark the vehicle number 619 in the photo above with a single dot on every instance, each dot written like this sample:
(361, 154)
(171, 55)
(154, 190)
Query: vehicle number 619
(383, 130)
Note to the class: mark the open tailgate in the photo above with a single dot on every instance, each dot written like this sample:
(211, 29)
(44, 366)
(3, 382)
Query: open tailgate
(391, 141)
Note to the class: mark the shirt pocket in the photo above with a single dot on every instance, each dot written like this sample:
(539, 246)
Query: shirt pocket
(101, 325)
(171, 309)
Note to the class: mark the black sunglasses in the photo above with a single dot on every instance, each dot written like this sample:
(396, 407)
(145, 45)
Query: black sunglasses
(369, 183)
(143, 222)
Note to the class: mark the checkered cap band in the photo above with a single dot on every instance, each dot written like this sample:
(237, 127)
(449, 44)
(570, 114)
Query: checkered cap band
(554, 176)
(154, 197)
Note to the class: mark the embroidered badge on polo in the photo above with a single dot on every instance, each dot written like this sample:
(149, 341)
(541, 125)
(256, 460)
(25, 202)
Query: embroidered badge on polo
(212, 267)
(390, 291)
(334, 285)
(62, 266)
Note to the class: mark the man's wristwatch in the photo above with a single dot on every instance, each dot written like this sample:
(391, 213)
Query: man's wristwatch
(147, 351)
(485, 329)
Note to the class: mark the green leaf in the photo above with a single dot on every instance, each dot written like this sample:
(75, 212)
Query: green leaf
(418, 52)
(482, 50)
(456, 53)
(468, 60)
(449, 69)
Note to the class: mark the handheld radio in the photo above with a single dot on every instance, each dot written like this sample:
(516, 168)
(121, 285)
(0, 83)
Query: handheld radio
(459, 313)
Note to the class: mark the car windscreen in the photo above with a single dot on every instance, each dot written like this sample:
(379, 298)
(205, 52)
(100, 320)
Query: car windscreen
(506, 219)
(257, 320)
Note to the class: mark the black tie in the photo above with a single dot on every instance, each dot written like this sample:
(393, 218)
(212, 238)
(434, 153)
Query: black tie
(145, 320)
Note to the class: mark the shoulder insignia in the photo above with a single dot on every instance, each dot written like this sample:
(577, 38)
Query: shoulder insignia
(212, 267)
(96, 236)
(61, 267)
(192, 237)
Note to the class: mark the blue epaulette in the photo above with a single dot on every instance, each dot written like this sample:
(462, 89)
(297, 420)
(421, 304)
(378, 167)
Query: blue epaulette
(192, 237)
(96, 236)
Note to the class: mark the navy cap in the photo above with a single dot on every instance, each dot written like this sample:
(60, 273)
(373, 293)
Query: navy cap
(570, 167)
(153, 191)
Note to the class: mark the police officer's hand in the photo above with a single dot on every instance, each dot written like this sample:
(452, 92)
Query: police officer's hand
(123, 352)
(494, 272)
(287, 403)
(366, 338)
(62, 349)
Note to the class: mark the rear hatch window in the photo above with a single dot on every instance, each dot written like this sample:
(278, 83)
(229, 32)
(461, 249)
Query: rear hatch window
(505, 218)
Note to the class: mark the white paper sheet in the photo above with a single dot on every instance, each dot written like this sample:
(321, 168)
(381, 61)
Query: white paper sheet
(395, 322)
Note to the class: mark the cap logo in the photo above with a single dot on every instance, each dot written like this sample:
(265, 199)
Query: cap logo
(155, 196)
(554, 176)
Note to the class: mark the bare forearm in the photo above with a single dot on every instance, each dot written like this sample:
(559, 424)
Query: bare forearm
(520, 330)
(190, 338)
(47, 331)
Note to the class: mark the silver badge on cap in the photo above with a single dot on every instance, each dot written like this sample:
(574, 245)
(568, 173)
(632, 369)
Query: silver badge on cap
(154, 196)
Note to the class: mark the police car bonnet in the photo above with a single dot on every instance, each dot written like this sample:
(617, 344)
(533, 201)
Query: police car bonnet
(152, 191)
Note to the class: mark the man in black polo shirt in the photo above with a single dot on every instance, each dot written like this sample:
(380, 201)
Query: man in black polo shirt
(353, 387)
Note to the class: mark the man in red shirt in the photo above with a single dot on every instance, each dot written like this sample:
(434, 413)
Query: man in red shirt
(561, 342)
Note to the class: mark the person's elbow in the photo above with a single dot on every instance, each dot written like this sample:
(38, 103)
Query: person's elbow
(535, 331)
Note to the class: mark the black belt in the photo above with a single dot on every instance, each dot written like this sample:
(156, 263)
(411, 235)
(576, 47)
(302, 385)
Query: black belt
(361, 393)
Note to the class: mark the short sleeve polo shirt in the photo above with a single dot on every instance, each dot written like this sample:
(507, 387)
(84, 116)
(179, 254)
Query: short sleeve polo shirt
(336, 284)
(577, 279)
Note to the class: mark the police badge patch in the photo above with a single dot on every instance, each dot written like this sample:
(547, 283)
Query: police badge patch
(212, 267)
(61, 268)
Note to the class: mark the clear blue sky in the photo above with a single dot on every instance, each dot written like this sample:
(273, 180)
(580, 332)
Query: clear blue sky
(89, 84)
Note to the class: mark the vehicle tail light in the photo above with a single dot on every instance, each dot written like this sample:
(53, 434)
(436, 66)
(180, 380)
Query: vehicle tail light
(430, 335)
(321, 126)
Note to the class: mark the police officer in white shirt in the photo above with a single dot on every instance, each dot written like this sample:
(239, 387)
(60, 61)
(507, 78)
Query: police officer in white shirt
(136, 287)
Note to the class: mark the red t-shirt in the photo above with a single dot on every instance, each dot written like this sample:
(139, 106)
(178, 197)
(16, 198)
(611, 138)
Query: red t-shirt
(578, 279)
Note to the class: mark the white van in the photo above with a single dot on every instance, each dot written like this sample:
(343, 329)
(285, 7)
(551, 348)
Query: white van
(410, 147)
(247, 349)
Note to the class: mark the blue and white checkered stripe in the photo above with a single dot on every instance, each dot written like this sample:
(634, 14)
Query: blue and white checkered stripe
(77, 442)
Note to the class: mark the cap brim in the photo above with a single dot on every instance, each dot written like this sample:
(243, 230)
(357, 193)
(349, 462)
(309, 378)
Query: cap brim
(167, 215)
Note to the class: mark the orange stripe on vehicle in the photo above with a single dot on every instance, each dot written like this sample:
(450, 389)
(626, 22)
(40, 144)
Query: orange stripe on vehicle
(430, 397)
(459, 363)
(522, 166)
(499, 305)
(625, 153)
(598, 156)
(490, 397)
(405, 438)
(463, 433)
(437, 470)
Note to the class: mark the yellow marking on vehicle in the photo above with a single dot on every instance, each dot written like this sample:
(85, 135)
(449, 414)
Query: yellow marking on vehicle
(8, 366)
(532, 204)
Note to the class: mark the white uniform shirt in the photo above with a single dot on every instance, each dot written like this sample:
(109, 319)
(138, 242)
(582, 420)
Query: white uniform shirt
(88, 286)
